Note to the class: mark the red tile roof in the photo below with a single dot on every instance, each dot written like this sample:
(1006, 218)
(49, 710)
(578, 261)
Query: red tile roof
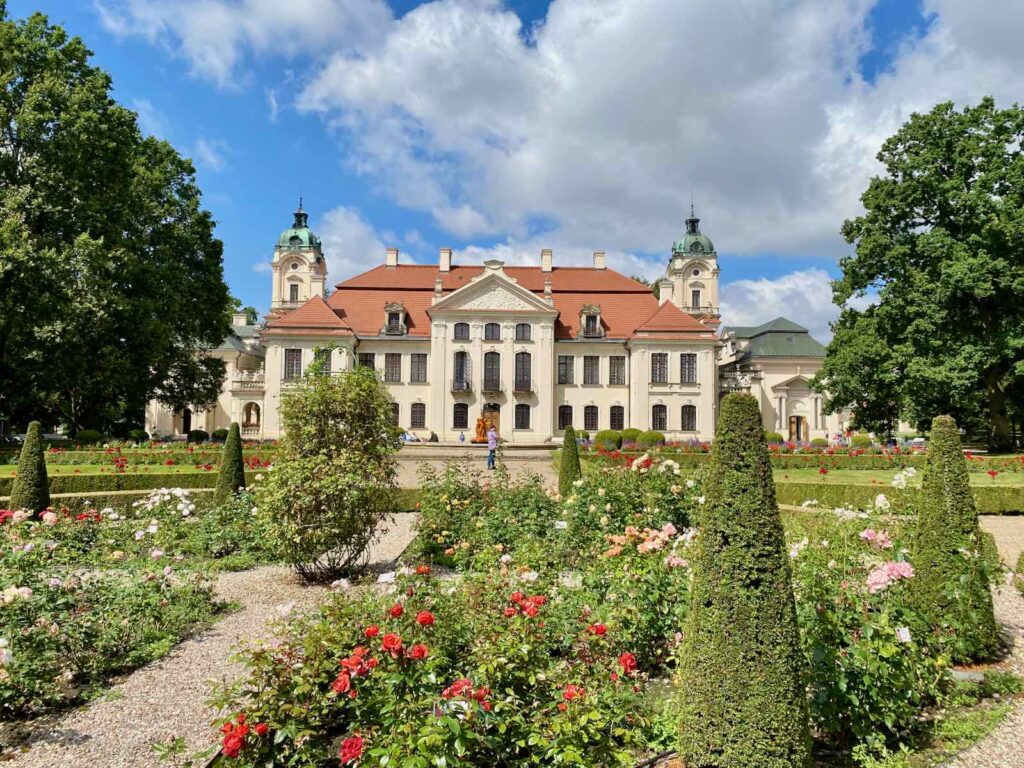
(627, 306)
(314, 314)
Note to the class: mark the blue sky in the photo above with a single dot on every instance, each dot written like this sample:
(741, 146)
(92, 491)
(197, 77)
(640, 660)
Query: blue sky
(499, 128)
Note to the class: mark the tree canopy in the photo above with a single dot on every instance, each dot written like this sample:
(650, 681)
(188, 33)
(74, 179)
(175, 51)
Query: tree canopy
(940, 250)
(111, 281)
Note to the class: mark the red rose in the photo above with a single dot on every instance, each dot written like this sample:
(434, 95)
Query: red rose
(392, 643)
(530, 610)
(351, 749)
(422, 570)
(261, 729)
(397, 610)
(372, 631)
(573, 692)
(561, 706)
(598, 629)
(510, 611)
(538, 599)
(517, 597)
(342, 683)
(419, 652)
(628, 662)
(425, 618)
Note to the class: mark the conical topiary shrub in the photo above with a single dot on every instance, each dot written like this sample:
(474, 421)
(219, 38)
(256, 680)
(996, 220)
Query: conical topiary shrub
(742, 692)
(232, 466)
(31, 489)
(950, 588)
(569, 471)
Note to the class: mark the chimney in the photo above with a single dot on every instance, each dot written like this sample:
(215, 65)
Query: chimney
(445, 260)
(545, 259)
(598, 259)
(392, 258)
(666, 288)
(239, 318)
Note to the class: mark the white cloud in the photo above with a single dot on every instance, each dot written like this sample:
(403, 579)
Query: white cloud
(804, 296)
(272, 105)
(211, 153)
(262, 266)
(151, 120)
(351, 245)
(217, 37)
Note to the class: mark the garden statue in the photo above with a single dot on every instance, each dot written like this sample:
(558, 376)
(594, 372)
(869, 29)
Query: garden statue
(481, 430)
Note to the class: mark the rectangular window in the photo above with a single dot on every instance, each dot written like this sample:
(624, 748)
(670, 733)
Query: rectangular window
(492, 332)
(522, 416)
(292, 363)
(564, 416)
(659, 418)
(688, 368)
(323, 357)
(590, 418)
(418, 372)
(366, 360)
(460, 416)
(566, 363)
(659, 368)
(523, 331)
(689, 418)
(393, 367)
(591, 370)
(293, 293)
(694, 299)
(591, 326)
(617, 370)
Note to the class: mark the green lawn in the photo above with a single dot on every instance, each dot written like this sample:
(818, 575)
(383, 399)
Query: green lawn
(882, 477)
(7, 470)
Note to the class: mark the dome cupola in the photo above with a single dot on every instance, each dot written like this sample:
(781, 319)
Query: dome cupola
(298, 235)
(693, 242)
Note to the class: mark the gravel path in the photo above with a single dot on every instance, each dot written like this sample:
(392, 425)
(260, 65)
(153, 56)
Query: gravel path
(167, 698)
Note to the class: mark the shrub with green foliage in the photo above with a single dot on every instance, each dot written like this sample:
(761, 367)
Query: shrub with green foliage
(952, 588)
(198, 436)
(334, 476)
(773, 438)
(819, 442)
(88, 437)
(583, 435)
(232, 467)
(742, 684)
(861, 441)
(1018, 578)
(630, 436)
(138, 435)
(650, 439)
(608, 439)
(569, 469)
(31, 489)
(219, 435)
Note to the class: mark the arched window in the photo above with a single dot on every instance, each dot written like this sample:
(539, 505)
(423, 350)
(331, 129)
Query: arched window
(418, 416)
(590, 418)
(618, 417)
(524, 372)
(492, 371)
(492, 332)
(460, 372)
(689, 418)
(659, 418)
(460, 416)
(564, 416)
(462, 331)
(524, 331)
(395, 410)
(522, 416)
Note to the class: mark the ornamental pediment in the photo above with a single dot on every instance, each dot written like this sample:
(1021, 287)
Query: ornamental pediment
(494, 293)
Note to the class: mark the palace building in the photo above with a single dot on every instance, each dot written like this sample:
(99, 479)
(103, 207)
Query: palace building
(530, 349)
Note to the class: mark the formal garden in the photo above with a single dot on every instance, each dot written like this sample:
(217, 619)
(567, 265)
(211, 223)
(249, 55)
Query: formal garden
(653, 606)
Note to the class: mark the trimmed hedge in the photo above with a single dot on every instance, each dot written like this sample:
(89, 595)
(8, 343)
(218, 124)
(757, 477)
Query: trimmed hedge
(231, 478)
(630, 437)
(742, 693)
(88, 437)
(569, 470)
(989, 500)
(651, 439)
(207, 454)
(773, 437)
(950, 590)
(30, 490)
(860, 441)
(608, 439)
(114, 481)
(197, 436)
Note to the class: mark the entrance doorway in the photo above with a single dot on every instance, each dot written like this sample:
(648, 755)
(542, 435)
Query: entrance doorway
(797, 429)
(491, 413)
(186, 421)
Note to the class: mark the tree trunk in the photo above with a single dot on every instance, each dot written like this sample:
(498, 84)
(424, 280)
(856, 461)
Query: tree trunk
(999, 438)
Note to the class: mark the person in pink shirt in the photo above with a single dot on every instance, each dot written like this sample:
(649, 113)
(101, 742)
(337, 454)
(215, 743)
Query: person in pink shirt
(492, 446)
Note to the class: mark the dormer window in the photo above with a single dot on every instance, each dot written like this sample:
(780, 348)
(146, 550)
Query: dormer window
(394, 315)
(590, 317)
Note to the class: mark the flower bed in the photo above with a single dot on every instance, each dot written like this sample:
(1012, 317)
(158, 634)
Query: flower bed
(519, 659)
(126, 481)
(990, 500)
(96, 592)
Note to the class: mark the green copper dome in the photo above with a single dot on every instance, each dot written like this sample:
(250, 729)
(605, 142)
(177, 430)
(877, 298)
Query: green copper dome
(298, 235)
(693, 241)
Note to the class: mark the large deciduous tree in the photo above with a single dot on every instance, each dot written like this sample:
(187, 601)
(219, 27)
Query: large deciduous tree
(111, 281)
(941, 243)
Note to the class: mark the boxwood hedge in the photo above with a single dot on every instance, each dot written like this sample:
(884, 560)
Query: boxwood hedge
(989, 500)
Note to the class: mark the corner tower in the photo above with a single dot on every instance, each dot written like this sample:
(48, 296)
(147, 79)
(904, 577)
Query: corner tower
(691, 280)
(298, 266)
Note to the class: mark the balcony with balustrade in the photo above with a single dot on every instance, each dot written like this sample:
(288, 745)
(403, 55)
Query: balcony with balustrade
(248, 381)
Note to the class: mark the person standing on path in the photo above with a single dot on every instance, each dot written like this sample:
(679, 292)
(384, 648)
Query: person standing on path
(492, 446)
